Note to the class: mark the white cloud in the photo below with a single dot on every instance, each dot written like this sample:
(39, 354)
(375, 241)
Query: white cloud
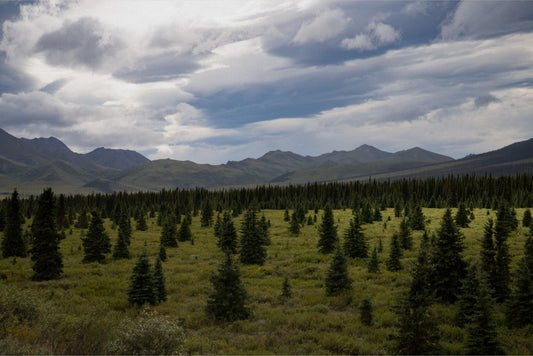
(325, 26)
(377, 34)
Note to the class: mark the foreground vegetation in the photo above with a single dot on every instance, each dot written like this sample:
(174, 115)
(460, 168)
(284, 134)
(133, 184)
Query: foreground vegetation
(291, 311)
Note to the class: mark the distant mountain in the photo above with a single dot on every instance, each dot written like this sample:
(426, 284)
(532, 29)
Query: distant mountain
(31, 164)
(116, 159)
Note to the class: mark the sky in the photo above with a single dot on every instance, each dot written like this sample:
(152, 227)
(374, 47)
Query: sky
(212, 81)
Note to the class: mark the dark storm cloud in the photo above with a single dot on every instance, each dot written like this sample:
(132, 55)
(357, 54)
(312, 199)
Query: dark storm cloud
(31, 108)
(158, 68)
(83, 42)
(485, 100)
(12, 80)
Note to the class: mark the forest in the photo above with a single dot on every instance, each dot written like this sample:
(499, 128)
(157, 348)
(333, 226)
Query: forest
(432, 266)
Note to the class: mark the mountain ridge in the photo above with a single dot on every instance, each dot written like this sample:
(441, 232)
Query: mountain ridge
(43, 162)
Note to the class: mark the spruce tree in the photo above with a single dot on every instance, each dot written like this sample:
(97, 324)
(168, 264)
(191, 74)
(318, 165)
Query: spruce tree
(162, 252)
(141, 222)
(286, 291)
(47, 260)
(227, 302)
(466, 304)
(393, 263)
(488, 253)
(337, 279)
(373, 263)
(252, 242)
(405, 237)
(461, 217)
(482, 334)
(184, 233)
(227, 235)
(142, 286)
(354, 239)
(519, 309)
(365, 312)
(12, 242)
(2, 219)
(327, 232)
(417, 219)
(286, 215)
(294, 225)
(121, 247)
(168, 233)
(420, 292)
(527, 219)
(96, 243)
(61, 213)
(207, 214)
(159, 282)
(501, 273)
(264, 230)
(83, 220)
(447, 259)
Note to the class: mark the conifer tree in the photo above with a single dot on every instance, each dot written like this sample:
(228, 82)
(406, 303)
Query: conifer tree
(393, 263)
(449, 267)
(252, 242)
(520, 304)
(294, 225)
(83, 220)
(354, 239)
(96, 243)
(373, 264)
(405, 237)
(468, 297)
(482, 334)
(121, 247)
(365, 312)
(184, 233)
(47, 260)
(420, 292)
(168, 234)
(217, 227)
(162, 252)
(501, 272)
(207, 214)
(337, 279)
(227, 302)
(227, 239)
(461, 217)
(527, 219)
(142, 288)
(488, 253)
(286, 215)
(12, 242)
(264, 230)
(286, 291)
(2, 219)
(141, 222)
(61, 213)
(327, 232)
(417, 219)
(159, 282)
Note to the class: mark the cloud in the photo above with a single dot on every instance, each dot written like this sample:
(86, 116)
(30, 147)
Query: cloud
(82, 42)
(325, 26)
(376, 35)
(478, 19)
(31, 108)
(485, 100)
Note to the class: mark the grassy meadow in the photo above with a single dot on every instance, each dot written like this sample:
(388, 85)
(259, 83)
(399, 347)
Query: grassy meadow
(82, 312)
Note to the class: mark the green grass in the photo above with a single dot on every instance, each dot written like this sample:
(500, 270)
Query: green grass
(82, 311)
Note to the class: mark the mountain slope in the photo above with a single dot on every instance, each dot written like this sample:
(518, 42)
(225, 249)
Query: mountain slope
(116, 158)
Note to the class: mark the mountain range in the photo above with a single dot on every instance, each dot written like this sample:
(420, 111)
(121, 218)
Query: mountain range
(31, 164)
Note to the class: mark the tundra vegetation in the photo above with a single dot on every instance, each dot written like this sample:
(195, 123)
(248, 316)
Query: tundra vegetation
(311, 292)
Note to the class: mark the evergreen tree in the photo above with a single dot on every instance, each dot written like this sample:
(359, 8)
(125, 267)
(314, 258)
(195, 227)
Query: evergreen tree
(327, 232)
(47, 260)
(461, 217)
(393, 263)
(447, 259)
(121, 247)
(373, 264)
(61, 213)
(142, 289)
(337, 280)
(468, 298)
(207, 214)
(227, 239)
(405, 237)
(2, 219)
(162, 252)
(527, 219)
(488, 253)
(227, 302)
(83, 220)
(184, 233)
(397, 210)
(520, 304)
(252, 242)
(159, 282)
(141, 222)
(168, 233)
(286, 215)
(365, 312)
(96, 243)
(420, 292)
(501, 273)
(217, 228)
(12, 242)
(482, 334)
(300, 213)
(417, 219)
(354, 239)
(286, 291)
(294, 227)
(263, 230)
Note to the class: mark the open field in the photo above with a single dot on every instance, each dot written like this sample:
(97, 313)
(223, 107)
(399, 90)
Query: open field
(82, 312)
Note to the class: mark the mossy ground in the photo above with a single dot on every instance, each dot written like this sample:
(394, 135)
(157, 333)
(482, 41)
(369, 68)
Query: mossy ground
(81, 312)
